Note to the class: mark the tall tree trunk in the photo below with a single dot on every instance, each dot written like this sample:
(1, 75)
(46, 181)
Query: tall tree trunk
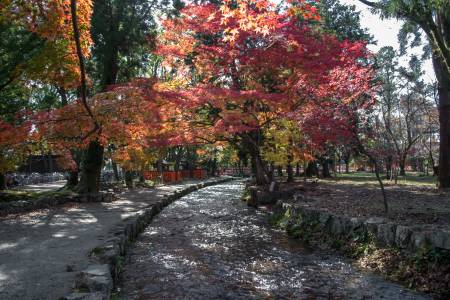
(402, 165)
(2, 181)
(115, 171)
(63, 94)
(91, 167)
(444, 122)
(380, 182)
(326, 168)
(297, 170)
(271, 172)
(290, 172)
(250, 141)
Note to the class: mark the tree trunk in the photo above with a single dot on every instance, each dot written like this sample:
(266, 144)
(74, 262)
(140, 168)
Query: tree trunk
(290, 173)
(63, 94)
(129, 179)
(2, 182)
(347, 166)
(380, 182)
(311, 170)
(444, 122)
(401, 165)
(256, 160)
(326, 169)
(115, 171)
(297, 170)
(91, 167)
(271, 172)
(72, 181)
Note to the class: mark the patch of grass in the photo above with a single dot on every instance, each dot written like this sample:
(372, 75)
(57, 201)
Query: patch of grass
(17, 195)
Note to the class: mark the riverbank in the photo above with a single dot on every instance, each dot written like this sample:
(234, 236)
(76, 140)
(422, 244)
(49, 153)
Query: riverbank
(410, 244)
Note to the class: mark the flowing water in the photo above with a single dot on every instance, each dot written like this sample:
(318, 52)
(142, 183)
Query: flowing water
(210, 245)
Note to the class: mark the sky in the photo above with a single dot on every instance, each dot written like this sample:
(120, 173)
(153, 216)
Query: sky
(385, 32)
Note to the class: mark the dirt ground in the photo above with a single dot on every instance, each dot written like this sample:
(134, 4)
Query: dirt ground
(409, 202)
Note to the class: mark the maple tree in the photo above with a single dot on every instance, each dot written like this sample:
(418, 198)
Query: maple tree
(253, 64)
(51, 22)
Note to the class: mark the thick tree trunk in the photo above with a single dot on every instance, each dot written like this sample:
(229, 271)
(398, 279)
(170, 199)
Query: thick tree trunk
(2, 181)
(444, 146)
(91, 167)
(257, 163)
(444, 122)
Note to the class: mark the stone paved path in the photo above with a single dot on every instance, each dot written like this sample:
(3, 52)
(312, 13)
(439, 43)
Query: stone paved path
(37, 247)
(209, 245)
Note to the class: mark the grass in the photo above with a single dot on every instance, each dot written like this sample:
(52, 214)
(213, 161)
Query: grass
(411, 178)
(17, 195)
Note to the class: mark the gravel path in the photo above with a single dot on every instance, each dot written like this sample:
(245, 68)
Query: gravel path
(36, 248)
(208, 245)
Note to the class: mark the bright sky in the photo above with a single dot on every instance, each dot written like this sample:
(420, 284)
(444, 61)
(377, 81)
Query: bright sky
(385, 32)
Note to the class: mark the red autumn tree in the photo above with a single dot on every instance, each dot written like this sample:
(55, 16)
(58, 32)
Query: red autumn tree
(250, 64)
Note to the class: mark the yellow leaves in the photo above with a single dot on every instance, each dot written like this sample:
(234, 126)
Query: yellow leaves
(284, 143)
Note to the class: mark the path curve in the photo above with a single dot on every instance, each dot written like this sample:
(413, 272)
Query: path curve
(209, 245)
(41, 251)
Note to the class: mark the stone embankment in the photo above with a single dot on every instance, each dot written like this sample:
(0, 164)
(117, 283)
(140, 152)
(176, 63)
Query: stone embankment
(382, 231)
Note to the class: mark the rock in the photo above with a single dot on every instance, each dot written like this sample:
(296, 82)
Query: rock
(419, 239)
(273, 187)
(96, 278)
(386, 234)
(440, 239)
(253, 199)
(403, 236)
(336, 226)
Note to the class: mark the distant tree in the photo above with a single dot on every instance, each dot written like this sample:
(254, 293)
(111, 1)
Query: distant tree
(433, 18)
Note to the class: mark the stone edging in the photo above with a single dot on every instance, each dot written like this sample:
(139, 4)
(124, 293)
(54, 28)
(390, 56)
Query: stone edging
(385, 233)
(21, 206)
(97, 281)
